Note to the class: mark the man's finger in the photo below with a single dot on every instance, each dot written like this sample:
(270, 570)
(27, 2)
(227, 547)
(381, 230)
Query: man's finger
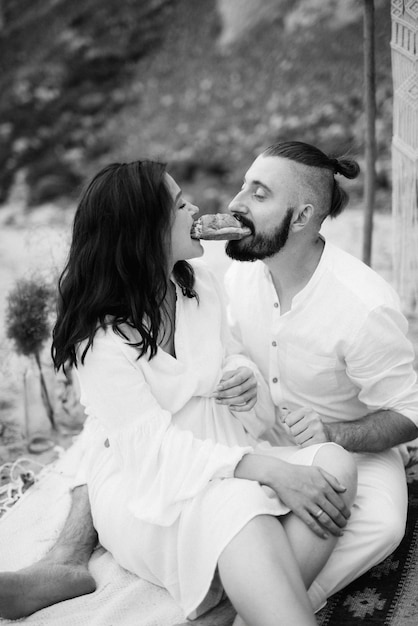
(305, 438)
(294, 417)
(299, 428)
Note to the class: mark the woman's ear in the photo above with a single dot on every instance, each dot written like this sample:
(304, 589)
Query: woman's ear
(302, 216)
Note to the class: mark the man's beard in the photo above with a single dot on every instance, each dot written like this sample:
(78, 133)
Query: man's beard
(260, 246)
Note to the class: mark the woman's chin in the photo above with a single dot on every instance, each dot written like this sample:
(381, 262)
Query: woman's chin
(198, 250)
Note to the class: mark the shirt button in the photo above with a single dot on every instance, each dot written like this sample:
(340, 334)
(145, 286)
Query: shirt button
(275, 380)
(276, 305)
(274, 343)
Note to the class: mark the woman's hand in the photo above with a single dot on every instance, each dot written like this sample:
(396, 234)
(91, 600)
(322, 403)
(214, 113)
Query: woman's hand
(310, 492)
(237, 389)
(313, 495)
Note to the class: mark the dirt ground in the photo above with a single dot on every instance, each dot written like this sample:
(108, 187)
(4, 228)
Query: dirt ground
(38, 242)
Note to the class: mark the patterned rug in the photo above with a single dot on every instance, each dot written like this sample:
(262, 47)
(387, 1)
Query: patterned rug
(388, 594)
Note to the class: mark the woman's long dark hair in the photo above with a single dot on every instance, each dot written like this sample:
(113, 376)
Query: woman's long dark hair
(118, 260)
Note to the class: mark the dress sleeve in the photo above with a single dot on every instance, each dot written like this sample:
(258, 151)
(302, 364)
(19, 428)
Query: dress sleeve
(380, 363)
(164, 465)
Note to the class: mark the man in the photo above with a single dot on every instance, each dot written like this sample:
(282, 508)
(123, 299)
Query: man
(328, 336)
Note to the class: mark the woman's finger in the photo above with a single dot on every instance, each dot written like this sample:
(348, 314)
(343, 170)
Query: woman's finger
(322, 517)
(238, 398)
(312, 522)
(236, 389)
(332, 481)
(338, 503)
(244, 407)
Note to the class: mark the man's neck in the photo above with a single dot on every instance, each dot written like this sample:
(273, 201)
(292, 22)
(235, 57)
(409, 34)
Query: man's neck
(293, 267)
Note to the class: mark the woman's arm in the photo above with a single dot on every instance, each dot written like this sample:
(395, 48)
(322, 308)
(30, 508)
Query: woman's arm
(163, 464)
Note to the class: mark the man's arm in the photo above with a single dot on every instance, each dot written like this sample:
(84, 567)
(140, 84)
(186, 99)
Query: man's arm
(374, 432)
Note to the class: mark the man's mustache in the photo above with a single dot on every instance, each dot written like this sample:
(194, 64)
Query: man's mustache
(245, 222)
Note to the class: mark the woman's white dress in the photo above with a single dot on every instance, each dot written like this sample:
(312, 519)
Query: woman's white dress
(161, 453)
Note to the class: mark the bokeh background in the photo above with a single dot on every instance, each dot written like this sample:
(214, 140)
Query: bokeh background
(203, 85)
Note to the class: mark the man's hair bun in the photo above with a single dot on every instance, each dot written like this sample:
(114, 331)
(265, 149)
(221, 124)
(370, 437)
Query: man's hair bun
(346, 167)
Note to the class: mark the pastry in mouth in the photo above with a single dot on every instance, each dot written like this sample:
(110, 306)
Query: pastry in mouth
(218, 226)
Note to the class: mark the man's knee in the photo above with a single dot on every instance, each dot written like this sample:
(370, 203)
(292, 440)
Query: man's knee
(391, 529)
(379, 524)
(341, 464)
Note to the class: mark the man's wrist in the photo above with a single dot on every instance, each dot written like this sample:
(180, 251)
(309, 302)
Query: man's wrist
(331, 432)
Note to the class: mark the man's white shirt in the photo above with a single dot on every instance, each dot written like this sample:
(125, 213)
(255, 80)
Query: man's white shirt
(341, 349)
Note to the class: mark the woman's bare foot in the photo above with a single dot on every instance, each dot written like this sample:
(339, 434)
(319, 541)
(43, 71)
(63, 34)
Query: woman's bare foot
(45, 583)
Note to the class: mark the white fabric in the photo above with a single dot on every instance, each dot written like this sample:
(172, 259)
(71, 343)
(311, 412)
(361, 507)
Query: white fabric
(375, 528)
(172, 451)
(341, 350)
(32, 526)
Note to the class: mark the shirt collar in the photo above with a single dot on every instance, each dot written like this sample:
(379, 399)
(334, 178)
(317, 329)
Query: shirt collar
(316, 276)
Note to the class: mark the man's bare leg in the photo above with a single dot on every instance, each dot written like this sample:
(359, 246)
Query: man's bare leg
(63, 572)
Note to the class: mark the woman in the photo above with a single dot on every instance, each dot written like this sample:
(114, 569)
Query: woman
(181, 493)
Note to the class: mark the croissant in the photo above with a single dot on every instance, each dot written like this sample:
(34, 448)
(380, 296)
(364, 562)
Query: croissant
(218, 226)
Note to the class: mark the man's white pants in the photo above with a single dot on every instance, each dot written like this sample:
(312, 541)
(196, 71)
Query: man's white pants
(375, 528)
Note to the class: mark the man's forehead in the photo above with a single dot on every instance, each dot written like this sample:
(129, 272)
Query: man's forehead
(270, 170)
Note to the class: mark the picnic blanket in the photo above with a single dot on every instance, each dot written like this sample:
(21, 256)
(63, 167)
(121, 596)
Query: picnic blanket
(386, 595)
(32, 526)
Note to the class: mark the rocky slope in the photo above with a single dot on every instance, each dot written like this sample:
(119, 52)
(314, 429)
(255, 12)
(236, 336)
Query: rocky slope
(203, 84)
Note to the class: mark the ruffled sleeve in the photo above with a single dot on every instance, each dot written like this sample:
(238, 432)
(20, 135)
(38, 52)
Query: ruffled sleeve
(164, 465)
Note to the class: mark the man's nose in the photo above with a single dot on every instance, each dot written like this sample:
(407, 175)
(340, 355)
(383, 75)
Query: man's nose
(236, 205)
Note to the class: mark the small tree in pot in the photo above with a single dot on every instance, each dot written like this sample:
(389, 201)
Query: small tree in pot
(27, 319)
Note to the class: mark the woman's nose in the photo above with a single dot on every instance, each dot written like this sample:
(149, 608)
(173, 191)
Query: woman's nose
(193, 209)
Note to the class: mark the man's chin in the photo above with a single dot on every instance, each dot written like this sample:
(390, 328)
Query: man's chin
(236, 251)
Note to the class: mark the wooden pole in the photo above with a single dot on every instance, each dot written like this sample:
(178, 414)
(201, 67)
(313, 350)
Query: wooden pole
(370, 110)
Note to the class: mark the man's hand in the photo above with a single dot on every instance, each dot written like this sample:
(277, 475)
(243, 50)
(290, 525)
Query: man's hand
(306, 427)
(237, 389)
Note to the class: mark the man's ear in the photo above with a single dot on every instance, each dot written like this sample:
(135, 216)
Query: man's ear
(302, 216)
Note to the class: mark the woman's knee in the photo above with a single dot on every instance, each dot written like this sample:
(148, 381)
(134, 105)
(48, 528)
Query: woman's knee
(341, 464)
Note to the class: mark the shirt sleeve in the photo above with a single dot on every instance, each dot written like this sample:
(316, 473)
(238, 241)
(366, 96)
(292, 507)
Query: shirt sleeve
(164, 465)
(380, 363)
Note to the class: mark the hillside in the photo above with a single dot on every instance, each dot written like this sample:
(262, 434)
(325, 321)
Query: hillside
(89, 81)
